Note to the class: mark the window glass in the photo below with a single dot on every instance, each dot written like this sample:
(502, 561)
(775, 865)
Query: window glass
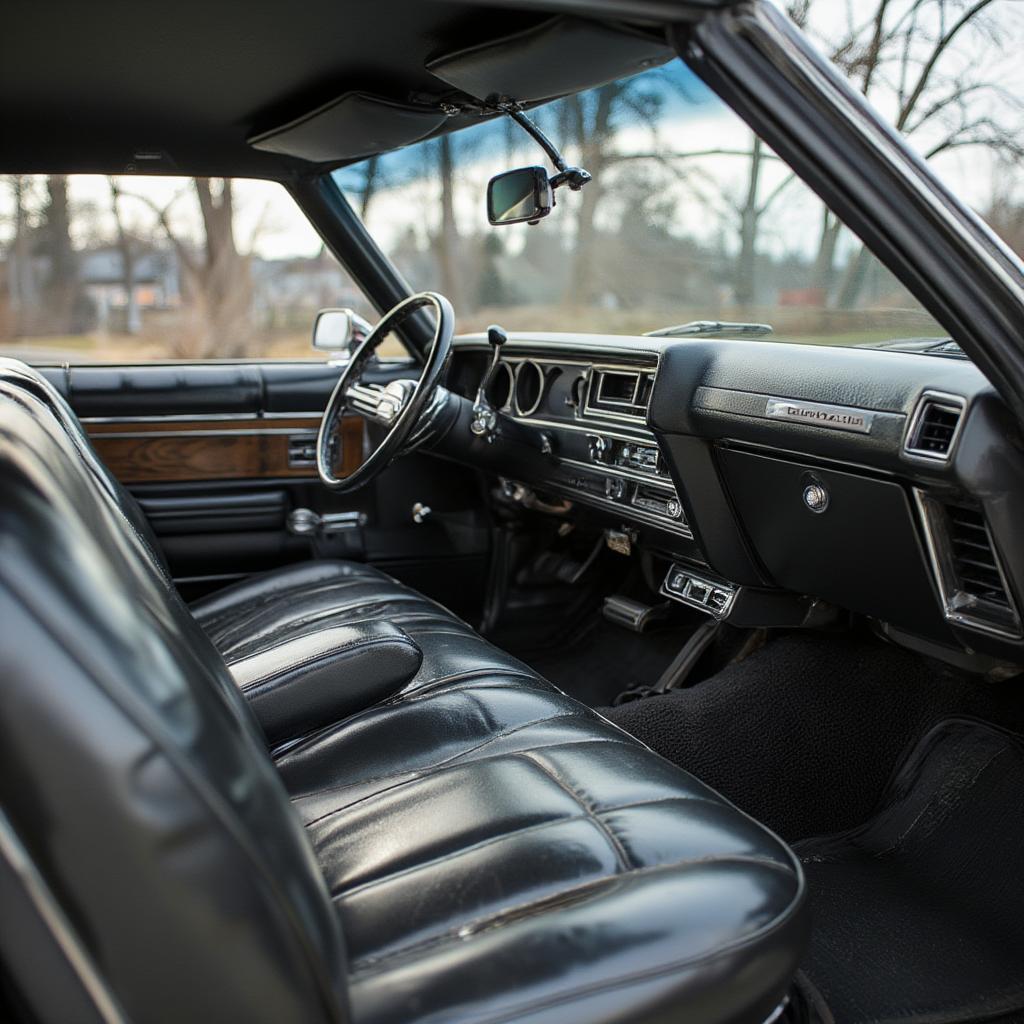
(688, 217)
(129, 269)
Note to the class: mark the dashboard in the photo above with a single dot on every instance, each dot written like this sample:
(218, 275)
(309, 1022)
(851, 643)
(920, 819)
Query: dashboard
(596, 416)
(767, 480)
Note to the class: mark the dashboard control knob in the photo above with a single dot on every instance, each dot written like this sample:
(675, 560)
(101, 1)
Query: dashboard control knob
(615, 488)
(598, 446)
(816, 498)
(673, 508)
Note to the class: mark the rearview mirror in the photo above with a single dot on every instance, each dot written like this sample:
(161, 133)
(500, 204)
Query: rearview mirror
(338, 331)
(520, 195)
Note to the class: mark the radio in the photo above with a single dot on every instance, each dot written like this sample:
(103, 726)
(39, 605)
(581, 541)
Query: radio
(638, 456)
(643, 458)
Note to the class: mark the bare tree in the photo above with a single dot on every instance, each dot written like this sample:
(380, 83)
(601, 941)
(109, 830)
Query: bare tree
(937, 65)
(22, 288)
(588, 122)
(447, 239)
(62, 284)
(133, 321)
(217, 282)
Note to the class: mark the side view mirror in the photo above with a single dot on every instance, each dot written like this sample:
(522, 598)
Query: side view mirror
(338, 331)
(520, 195)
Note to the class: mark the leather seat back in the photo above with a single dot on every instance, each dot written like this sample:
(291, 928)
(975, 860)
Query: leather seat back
(143, 828)
(22, 375)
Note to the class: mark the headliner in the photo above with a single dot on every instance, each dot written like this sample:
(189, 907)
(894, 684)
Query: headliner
(87, 85)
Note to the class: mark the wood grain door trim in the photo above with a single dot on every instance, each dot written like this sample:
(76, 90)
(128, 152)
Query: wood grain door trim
(249, 448)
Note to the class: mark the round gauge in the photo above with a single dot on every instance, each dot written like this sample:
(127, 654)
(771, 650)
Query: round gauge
(529, 388)
(499, 391)
(578, 392)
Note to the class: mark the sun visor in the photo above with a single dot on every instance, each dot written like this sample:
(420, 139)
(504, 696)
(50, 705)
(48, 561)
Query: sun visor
(560, 56)
(354, 125)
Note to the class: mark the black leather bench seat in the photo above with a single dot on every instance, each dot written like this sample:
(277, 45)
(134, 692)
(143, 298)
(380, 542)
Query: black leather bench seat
(476, 847)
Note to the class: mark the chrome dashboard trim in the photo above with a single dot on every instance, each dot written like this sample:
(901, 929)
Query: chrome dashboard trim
(593, 427)
(583, 352)
(248, 432)
(627, 512)
(628, 474)
(522, 367)
(188, 417)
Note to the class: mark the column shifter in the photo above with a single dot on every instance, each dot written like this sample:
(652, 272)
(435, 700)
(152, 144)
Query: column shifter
(485, 418)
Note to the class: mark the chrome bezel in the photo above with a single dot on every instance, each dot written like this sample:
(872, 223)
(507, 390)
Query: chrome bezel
(940, 556)
(594, 381)
(503, 366)
(538, 369)
(696, 577)
(956, 402)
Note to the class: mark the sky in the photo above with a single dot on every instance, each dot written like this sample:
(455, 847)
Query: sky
(693, 118)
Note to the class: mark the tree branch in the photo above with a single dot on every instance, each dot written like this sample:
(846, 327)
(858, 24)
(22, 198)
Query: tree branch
(929, 66)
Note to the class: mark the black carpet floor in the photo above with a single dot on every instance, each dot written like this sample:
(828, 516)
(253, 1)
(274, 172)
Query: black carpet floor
(919, 913)
(605, 659)
(805, 733)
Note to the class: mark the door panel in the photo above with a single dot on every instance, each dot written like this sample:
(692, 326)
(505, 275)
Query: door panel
(219, 454)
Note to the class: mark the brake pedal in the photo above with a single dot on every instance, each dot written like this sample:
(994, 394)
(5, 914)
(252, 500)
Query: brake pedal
(634, 615)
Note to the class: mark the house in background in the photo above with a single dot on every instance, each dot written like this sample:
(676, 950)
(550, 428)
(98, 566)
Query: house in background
(155, 284)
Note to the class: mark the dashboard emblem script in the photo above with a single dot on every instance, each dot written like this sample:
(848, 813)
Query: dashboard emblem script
(815, 414)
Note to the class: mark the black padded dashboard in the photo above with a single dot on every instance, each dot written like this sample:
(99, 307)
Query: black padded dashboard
(929, 546)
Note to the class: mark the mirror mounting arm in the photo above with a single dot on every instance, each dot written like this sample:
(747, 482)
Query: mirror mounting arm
(574, 177)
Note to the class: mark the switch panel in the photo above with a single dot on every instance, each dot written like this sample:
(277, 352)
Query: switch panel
(711, 596)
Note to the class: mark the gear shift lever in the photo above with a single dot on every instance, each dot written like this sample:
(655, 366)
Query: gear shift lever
(485, 418)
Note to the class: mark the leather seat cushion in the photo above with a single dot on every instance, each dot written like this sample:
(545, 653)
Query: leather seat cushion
(277, 607)
(285, 602)
(495, 851)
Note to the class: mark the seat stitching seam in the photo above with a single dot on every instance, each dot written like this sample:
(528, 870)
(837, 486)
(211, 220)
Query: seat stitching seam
(365, 965)
(616, 844)
(409, 696)
(421, 773)
(372, 883)
(483, 844)
(429, 770)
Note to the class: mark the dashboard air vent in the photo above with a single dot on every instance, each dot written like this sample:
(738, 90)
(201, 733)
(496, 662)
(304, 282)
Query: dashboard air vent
(619, 393)
(974, 560)
(971, 580)
(934, 426)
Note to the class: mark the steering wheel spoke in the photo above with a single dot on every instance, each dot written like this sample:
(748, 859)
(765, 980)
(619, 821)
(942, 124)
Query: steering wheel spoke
(384, 404)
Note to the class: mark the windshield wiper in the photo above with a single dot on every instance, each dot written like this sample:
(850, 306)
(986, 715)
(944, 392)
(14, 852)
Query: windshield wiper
(705, 328)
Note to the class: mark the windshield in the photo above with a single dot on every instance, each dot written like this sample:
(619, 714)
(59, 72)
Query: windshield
(688, 217)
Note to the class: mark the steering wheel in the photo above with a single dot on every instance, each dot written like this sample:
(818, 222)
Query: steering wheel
(400, 406)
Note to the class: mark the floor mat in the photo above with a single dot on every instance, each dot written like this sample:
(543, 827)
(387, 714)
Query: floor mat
(804, 734)
(919, 913)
